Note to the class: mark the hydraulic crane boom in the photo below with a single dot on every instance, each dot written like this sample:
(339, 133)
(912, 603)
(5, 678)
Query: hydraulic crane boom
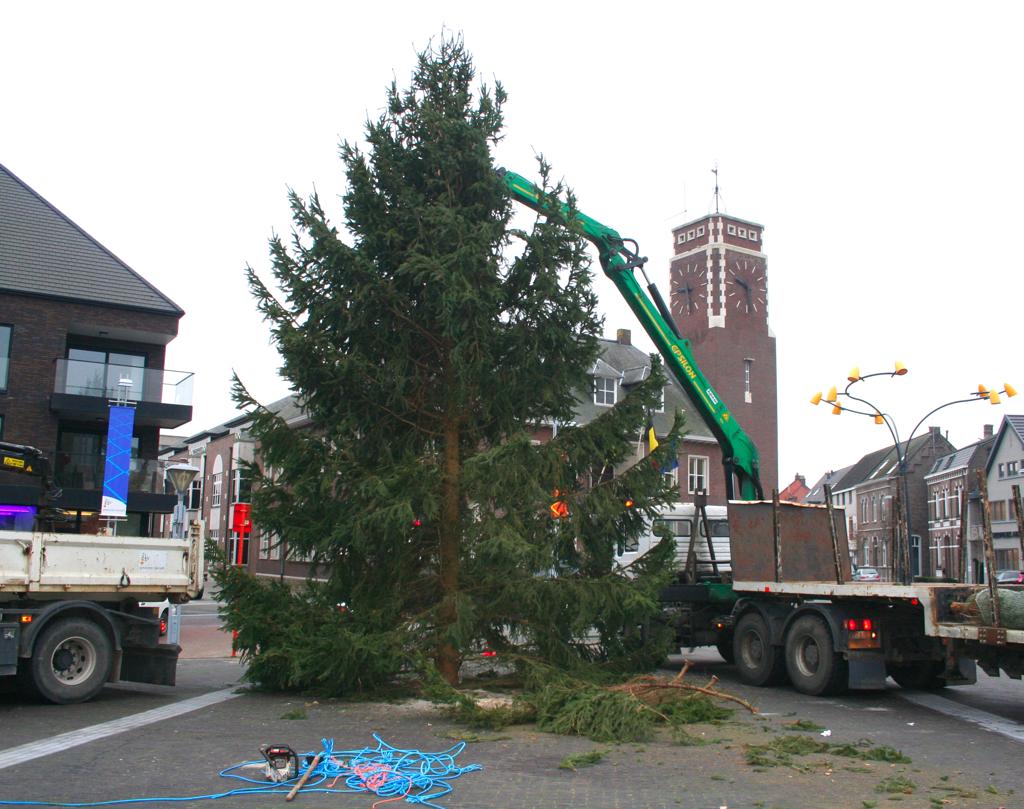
(739, 455)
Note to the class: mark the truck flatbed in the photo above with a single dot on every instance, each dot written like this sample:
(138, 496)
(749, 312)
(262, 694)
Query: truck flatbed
(934, 598)
(42, 565)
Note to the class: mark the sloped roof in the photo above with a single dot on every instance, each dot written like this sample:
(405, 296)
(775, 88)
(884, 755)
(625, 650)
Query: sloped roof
(877, 465)
(43, 253)
(1013, 424)
(817, 491)
(974, 454)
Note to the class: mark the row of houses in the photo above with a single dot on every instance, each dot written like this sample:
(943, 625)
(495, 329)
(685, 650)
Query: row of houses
(945, 512)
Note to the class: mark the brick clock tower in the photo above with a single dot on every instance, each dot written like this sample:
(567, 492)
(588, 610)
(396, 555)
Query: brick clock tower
(719, 300)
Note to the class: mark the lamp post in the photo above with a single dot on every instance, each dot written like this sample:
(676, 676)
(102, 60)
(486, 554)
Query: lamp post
(874, 412)
(181, 476)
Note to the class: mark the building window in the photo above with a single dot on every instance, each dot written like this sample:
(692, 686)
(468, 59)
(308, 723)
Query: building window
(81, 460)
(743, 233)
(241, 488)
(681, 238)
(1007, 559)
(660, 408)
(753, 235)
(215, 493)
(270, 546)
(700, 231)
(5, 356)
(194, 500)
(1002, 470)
(748, 365)
(1011, 468)
(697, 477)
(731, 230)
(604, 391)
(97, 373)
(998, 508)
(690, 234)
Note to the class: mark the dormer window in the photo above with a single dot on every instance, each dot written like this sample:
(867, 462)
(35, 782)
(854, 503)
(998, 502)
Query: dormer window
(604, 391)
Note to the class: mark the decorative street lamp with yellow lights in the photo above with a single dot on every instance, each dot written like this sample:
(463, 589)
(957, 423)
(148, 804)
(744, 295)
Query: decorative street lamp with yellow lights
(875, 413)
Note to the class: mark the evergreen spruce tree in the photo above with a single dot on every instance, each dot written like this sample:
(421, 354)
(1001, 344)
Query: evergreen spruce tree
(426, 342)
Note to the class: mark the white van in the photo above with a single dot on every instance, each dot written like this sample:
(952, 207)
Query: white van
(683, 520)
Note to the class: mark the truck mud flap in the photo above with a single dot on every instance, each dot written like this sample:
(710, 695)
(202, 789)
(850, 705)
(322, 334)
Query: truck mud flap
(8, 649)
(867, 671)
(155, 665)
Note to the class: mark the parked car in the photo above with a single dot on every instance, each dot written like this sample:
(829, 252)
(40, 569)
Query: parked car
(866, 574)
(1010, 577)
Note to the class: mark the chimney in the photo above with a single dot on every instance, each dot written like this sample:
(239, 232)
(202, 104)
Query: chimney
(622, 337)
(986, 431)
(802, 479)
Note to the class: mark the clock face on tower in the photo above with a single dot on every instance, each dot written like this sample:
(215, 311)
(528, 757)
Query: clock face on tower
(690, 289)
(745, 289)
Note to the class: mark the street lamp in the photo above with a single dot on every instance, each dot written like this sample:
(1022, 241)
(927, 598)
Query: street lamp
(181, 476)
(875, 413)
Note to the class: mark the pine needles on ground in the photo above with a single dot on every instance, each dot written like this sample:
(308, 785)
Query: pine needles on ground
(781, 752)
(576, 706)
(577, 760)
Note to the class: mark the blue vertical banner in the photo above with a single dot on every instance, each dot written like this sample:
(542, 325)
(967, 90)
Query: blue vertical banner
(119, 461)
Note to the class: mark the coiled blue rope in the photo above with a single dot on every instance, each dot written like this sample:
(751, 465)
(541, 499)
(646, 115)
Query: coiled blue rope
(386, 771)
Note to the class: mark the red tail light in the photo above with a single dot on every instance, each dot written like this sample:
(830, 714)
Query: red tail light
(859, 624)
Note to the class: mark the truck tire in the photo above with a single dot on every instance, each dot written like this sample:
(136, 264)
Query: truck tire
(758, 662)
(813, 665)
(71, 661)
(923, 675)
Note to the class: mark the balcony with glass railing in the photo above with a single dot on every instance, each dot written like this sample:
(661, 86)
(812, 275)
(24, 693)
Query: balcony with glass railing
(79, 470)
(162, 397)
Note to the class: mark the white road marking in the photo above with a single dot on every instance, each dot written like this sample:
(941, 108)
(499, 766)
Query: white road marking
(984, 719)
(74, 738)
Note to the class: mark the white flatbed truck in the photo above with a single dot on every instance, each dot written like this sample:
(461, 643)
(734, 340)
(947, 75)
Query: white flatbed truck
(70, 619)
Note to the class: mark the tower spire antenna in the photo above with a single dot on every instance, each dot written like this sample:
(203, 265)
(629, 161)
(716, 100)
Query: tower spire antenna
(717, 190)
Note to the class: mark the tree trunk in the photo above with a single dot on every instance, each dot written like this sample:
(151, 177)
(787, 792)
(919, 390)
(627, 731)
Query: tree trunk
(448, 657)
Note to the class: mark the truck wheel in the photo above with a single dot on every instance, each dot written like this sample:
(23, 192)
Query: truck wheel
(924, 675)
(71, 661)
(758, 662)
(814, 667)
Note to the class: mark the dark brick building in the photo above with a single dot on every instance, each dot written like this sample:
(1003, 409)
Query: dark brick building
(77, 325)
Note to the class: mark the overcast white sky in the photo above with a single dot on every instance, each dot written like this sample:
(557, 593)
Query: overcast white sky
(879, 143)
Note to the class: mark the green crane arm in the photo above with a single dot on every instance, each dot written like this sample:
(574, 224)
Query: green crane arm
(739, 455)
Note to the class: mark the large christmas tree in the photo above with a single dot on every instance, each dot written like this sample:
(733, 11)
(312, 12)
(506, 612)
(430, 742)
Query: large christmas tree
(426, 342)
